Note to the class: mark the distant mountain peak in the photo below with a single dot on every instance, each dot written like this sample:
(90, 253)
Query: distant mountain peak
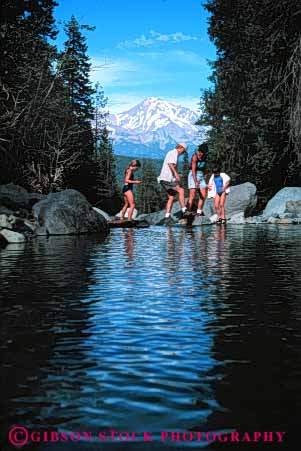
(153, 126)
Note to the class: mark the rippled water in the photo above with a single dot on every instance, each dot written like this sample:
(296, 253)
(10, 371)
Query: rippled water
(160, 329)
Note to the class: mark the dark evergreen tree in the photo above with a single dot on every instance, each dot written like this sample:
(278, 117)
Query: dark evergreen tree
(75, 69)
(27, 83)
(247, 108)
(185, 172)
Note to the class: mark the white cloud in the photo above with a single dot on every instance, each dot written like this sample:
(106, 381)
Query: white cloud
(110, 72)
(123, 73)
(156, 38)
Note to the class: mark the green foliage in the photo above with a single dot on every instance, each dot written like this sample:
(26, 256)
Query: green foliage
(47, 106)
(149, 195)
(247, 107)
(185, 172)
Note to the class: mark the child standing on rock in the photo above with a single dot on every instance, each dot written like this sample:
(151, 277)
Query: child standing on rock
(128, 195)
(218, 189)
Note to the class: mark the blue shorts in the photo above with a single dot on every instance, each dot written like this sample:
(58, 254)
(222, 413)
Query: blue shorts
(200, 179)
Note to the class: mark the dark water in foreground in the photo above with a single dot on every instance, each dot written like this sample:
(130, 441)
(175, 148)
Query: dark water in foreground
(153, 330)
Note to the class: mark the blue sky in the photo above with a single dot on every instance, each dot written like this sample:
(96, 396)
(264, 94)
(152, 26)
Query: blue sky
(145, 48)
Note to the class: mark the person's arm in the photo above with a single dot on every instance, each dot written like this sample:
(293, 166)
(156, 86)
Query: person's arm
(193, 169)
(128, 180)
(227, 184)
(173, 169)
(210, 183)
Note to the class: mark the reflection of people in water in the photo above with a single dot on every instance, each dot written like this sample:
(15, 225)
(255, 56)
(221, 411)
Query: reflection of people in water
(175, 250)
(127, 190)
(129, 244)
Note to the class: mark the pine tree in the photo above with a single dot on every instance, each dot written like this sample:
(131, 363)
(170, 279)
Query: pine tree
(75, 69)
(247, 108)
(185, 171)
(26, 83)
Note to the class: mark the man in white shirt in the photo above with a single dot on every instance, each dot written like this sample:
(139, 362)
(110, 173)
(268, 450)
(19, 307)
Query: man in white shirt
(169, 178)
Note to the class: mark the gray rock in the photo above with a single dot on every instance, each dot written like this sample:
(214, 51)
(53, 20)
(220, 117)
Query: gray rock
(134, 215)
(103, 213)
(286, 200)
(6, 222)
(238, 218)
(41, 231)
(272, 220)
(15, 197)
(255, 219)
(16, 224)
(294, 207)
(68, 213)
(5, 211)
(297, 220)
(201, 220)
(213, 218)
(12, 237)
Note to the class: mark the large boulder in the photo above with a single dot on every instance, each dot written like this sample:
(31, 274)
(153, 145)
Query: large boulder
(287, 202)
(17, 224)
(67, 213)
(12, 237)
(14, 197)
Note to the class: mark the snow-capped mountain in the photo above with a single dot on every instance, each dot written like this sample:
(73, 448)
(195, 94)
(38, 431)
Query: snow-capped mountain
(153, 127)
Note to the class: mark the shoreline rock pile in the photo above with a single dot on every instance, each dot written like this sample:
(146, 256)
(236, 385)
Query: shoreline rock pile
(25, 215)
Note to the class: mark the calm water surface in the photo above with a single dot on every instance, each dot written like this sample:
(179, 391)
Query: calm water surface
(159, 329)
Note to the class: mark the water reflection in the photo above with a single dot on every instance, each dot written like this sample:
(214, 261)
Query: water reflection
(153, 329)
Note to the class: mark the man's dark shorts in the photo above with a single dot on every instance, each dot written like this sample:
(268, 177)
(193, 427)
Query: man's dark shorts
(169, 187)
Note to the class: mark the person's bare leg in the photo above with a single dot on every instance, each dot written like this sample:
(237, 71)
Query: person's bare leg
(203, 195)
(222, 205)
(124, 209)
(131, 200)
(181, 193)
(217, 205)
(169, 203)
(192, 192)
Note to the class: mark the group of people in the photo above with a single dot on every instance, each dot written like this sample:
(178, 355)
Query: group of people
(169, 178)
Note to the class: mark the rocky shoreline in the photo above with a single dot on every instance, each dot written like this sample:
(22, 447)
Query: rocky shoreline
(25, 215)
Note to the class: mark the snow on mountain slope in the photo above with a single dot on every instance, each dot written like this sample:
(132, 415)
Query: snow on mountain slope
(152, 127)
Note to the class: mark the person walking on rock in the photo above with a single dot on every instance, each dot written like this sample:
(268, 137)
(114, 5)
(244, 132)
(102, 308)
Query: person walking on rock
(196, 179)
(128, 195)
(169, 179)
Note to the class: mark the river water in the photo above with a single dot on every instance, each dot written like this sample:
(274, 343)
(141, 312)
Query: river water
(159, 329)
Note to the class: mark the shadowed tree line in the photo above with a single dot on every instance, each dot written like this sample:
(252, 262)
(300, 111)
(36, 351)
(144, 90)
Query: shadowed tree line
(254, 104)
(48, 105)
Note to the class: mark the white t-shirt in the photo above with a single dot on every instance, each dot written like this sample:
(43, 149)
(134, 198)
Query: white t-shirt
(166, 173)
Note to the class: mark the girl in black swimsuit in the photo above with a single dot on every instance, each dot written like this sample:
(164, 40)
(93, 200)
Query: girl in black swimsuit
(127, 190)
